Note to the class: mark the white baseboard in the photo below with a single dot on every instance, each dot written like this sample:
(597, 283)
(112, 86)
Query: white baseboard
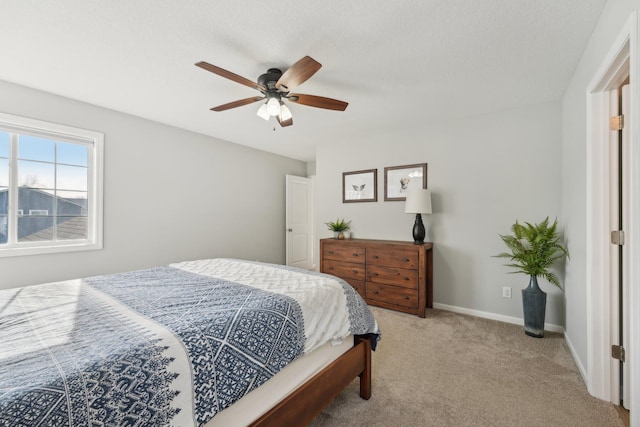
(576, 359)
(493, 316)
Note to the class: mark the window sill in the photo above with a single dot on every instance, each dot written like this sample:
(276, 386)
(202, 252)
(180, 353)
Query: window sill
(42, 250)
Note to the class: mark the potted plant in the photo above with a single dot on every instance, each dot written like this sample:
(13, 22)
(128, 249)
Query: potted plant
(533, 249)
(338, 227)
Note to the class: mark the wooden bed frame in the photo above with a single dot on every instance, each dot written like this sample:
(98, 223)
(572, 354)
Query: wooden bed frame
(307, 401)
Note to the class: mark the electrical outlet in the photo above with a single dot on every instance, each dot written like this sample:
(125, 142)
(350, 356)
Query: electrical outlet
(506, 292)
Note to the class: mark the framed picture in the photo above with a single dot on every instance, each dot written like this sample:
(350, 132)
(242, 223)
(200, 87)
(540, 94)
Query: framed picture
(398, 179)
(360, 186)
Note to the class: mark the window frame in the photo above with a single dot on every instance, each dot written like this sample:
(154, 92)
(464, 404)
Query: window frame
(95, 142)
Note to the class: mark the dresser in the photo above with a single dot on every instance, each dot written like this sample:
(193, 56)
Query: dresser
(390, 274)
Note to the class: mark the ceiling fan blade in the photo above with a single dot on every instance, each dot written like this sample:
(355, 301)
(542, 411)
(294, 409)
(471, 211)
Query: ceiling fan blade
(298, 73)
(285, 123)
(318, 101)
(238, 103)
(229, 75)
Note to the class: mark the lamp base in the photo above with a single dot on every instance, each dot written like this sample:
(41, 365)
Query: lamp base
(418, 231)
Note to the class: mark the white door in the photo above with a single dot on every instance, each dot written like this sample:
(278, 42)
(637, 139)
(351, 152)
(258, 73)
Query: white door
(299, 232)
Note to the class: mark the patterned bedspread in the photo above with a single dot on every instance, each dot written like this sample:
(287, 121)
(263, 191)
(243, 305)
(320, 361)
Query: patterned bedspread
(164, 346)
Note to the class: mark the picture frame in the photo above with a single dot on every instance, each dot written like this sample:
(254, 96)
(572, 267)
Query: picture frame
(399, 179)
(360, 186)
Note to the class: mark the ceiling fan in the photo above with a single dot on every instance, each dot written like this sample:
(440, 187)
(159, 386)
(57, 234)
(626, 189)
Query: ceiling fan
(275, 86)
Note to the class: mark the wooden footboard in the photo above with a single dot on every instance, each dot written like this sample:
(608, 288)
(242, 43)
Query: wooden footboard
(301, 406)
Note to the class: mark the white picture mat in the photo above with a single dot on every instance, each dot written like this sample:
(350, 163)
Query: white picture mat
(359, 186)
(399, 180)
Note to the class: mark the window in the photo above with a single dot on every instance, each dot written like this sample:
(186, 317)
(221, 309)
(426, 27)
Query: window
(50, 187)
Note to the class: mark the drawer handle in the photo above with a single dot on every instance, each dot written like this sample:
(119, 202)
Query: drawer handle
(330, 268)
(375, 292)
(374, 274)
(355, 271)
(406, 259)
(376, 257)
(405, 297)
(355, 254)
(406, 278)
(331, 252)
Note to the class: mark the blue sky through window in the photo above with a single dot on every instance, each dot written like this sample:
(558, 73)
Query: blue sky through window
(48, 164)
(72, 154)
(32, 148)
(4, 144)
(36, 167)
(42, 149)
(4, 159)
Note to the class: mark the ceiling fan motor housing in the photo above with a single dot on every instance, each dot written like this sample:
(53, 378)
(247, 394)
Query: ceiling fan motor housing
(270, 78)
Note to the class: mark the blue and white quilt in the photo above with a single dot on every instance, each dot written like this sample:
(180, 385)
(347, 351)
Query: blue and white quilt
(165, 346)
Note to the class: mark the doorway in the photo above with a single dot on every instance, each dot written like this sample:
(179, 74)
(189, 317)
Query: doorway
(613, 205)
(299, 234)
(619, 181)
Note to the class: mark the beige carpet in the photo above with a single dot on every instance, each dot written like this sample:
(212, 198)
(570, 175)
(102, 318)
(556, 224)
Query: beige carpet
(456, 370)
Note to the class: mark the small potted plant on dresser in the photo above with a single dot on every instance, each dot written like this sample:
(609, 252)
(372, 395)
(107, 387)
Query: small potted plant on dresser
(339, 227)
(533, 249)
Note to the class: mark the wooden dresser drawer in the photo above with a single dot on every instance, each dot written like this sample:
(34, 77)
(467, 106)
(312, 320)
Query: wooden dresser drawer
(393, 258)
(392, 295)
(344, 253)
(392, 276)
(345, 270)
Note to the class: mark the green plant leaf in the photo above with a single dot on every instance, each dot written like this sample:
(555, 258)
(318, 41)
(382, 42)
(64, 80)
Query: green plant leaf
(338, 225)
(533, 249)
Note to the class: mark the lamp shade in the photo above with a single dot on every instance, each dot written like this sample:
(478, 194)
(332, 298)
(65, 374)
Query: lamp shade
(263, 112)
(418, 201)
(273, 106)
(285, 113)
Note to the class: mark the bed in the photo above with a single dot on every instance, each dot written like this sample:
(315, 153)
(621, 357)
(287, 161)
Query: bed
(207, 343)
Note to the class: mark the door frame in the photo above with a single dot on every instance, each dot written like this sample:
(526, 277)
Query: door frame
(310, 218)
(621, 60)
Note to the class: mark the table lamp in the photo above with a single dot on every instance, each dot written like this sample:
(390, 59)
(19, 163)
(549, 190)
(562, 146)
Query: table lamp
(418, 202)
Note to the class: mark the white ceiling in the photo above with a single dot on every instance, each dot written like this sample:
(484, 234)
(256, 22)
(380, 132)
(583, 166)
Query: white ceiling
(397, 63)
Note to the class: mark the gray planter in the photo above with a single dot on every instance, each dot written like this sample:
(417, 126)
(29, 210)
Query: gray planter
(534, 303)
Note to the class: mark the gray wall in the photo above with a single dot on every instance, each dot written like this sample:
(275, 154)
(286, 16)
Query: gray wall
(170, 195)
(484, 172)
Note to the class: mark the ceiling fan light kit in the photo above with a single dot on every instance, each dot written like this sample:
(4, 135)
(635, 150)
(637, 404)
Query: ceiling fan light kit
(275, 86)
